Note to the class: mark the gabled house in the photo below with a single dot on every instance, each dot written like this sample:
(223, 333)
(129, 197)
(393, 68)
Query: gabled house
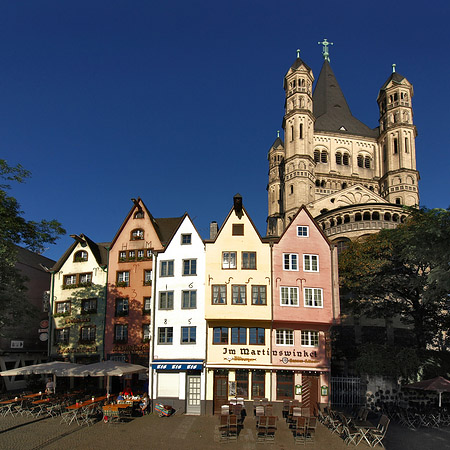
(178, 322)
(78, 302)
(305, 306)
(238, 311)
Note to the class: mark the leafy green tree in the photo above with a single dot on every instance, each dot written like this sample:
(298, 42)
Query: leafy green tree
(16, 230)
(403, 272)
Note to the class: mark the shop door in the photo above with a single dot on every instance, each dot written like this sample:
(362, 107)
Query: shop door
(310, 392)
(193, 397)
(220, 389)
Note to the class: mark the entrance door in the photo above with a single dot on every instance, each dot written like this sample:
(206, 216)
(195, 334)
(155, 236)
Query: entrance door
(193, 397)
(220, 389)
(310, 392)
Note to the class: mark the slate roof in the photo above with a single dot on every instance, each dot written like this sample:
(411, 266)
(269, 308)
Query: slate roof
(277, 143)
(331, 109)
(396, 77)
(166, 227)
(29, 258)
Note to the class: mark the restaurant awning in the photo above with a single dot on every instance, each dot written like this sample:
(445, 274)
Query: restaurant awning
(44, 368)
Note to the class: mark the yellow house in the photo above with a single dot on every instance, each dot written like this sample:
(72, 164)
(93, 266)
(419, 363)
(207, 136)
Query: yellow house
(238, 311)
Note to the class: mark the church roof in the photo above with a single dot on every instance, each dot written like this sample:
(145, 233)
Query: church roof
(396, 77)
(278, 142)
(298, 62)
(331, 109)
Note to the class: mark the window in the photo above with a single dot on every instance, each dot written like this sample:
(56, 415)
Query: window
(303, 231)
(239, 297)
(259, 295)
(120, 332)
(285, 384)
(89, 305)
(165, 335)
(166, 300)
(140, 255)
(313, 297)
(70, 280)
(258, 384)
(360, 160)
(186, 239)
(301, 131)
(147, 277)
(238, 335)
(189, 267)
(137, 234)
(367, 162)
(80, 256)
(290, 261)
(219, 294)
(289, 296)
(238, 229)
(147, 305)
(62, 335)
(139, 215)
(220, 335)
(316, 156)
(166, 268)
(188, 335)
(189, 300)
(123, 279)
(242, 383)
(323, 156)
(145, 332)
(345, 159)
(87, 334)
(132, 255)
(256, 336)
(229, 260)
(62, 307)
(311, 263)
(285, 337)
(85, 278)
(339, 158)
(121, 306)
(249, 260)
(122, 256)
(310, 338)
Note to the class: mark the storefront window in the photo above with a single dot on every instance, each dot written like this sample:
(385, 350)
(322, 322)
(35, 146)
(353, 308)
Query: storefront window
(242, 383)
(285, 384)
(258, 384)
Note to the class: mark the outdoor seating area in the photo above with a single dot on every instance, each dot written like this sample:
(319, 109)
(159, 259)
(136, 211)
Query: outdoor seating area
(231, 420)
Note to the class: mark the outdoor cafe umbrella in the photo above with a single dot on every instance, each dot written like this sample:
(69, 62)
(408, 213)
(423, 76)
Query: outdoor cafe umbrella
(51, 367)
(103, 369)
(438, 384)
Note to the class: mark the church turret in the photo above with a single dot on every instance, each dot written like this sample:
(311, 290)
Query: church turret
(298, 125)
(399, 177)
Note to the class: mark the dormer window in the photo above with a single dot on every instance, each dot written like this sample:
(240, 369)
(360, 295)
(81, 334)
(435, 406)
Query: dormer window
(139, 215)
(137, 234)
(80, 256)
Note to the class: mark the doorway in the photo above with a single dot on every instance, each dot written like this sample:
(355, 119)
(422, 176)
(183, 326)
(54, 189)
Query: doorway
(220, 389)
(310, 392)
(193, 397)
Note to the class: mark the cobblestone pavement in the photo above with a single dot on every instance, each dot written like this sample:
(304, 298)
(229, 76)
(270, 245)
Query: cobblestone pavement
(185, 433)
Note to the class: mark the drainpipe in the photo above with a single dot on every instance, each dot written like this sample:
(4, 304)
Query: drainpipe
(106, 302)
(152, 335)
(271, 318)
(50, 313)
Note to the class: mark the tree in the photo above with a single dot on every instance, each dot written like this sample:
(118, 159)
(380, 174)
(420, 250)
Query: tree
(403, 272)
(16, 230)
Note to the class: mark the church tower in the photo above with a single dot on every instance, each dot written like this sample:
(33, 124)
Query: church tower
(399, 177)
(298, 125)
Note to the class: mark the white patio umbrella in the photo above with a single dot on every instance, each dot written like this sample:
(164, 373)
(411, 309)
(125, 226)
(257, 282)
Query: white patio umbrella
(103, 369)
(51, 367)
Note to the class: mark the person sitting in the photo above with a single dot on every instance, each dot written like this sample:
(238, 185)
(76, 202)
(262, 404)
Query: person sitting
(120, 397)
(50, 387)
(127, 392)
(144, 403)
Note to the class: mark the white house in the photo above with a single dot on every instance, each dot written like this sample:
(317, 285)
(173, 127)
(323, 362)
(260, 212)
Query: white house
(178, 349)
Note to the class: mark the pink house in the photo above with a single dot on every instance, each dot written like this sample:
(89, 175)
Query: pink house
(305, 306)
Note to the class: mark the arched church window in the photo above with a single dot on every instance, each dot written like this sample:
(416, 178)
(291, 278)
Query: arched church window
(339, 158)
(292, 133)
(371, 188)
(291, 189)
(376, 215)
(402, 219)
(301, 131)
(316, 155)
(345, 159)
(358, 217)
(324, 156)
(406, 145)
(339, 220)
(387, 217)
(395, 145)
(322, 183)
(344, 185)
(395, 218)
(346, 218)
(331, 222)
(398, 201)
(366, 215)
(367, 162)
(318, 183)
(360, 161)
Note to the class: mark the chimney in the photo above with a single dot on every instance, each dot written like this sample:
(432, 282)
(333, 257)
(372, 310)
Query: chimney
(213, 230)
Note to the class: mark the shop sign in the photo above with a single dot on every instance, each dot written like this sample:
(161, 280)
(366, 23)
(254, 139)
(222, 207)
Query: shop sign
(138, 349)
(195, 366)
(324, 391)
(78, 319)
(64, 350)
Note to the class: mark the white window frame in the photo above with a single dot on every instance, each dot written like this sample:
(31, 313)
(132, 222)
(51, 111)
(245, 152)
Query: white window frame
(291, 301)
(301, 229)
(310, 338)
(290, 262)
(229, 260)
(285, 337)
(308, 260)
(145, 331)
(123, 277)
(313, 291)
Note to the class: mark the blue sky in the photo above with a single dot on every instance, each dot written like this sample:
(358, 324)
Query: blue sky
(178, 102)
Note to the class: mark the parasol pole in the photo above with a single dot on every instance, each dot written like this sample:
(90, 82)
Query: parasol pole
(440, 394)
(54, 383)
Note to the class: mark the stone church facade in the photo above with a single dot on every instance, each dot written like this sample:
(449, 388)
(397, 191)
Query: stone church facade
(354, 180)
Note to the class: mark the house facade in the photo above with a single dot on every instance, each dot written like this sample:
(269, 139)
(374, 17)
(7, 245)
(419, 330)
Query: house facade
(78, 302)
(238, 312)
(305, 306)
(178, 348)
